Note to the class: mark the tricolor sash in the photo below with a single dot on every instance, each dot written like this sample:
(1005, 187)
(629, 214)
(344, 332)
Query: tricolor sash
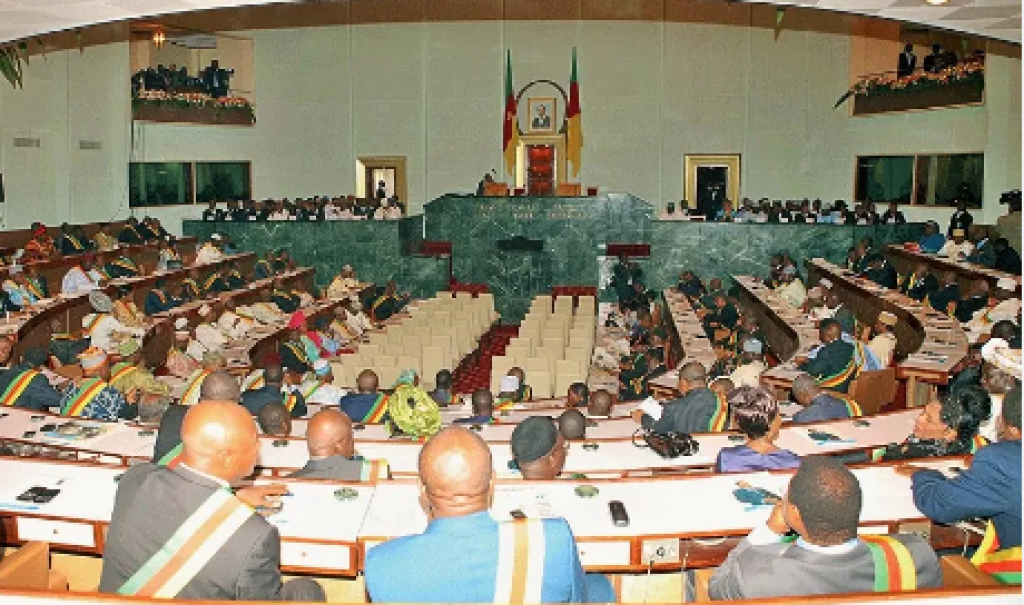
(96, 318)
(374, 471)
(853, 408)
(125, 263)
(504, 403)
(977, 443)
(519, 577)
(1004, 565)
(173, 457)
(193, 387)
(191, 547)
(312, 388)
(894, 567)
(840, 378)
(83, 397)
(17, 387)
(121, 370)
(298, 350)
(720, 419)
(254, 380)
(160, 294)
(344, 328)
(209, 281)
(289, 400)
(74, 242)
(34, 288)
(377, 410)
(192, 286)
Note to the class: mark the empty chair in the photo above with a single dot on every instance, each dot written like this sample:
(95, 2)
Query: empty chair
(563, 382)
(519, 352)
(380, 361)
(408, 362)
(432, 362)
(540, 382)
(369, 350)
(554, 343)
(572, 367)
(521, 341)
(387, 375)
(563, 305)
(422, 333)
(344, 374)
(534, 364)
(577, 354)
(502, 364)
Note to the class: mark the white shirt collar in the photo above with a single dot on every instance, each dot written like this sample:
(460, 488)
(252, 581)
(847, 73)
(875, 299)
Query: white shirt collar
(838, 549)
(216, 480)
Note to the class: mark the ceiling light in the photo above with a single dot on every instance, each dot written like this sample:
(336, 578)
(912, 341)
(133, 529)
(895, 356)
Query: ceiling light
(159, 37)
(937, 2)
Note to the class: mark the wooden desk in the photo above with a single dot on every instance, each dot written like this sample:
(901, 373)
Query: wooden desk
(905, 260)
(686, 331)
(929, 343)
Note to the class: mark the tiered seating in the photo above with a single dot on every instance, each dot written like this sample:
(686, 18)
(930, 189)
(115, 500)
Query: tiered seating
(554, 345)
(436, 334)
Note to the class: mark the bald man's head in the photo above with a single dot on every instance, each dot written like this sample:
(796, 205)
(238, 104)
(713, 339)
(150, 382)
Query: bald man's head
(455, 470)
(329, 433)
(275, 420)
(273, 374)
(483, 402)
(601, 402)
(366, 382)
(220, 386)
(220, 439)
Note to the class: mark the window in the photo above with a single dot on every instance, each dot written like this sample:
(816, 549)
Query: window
(173, 183)
(222, 181)
(159, 183)
(927, 180)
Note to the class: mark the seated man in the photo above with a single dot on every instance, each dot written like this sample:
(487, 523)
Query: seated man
(944, 299)
(990, 488)
(957, 248)
(457, 477)
(273, 391)
(82, 277)
(1004, 305)
(881, 271)
(572, 424)
(792, 290)
(191, 394)
(210, 251)
(822, 505)
(442, 393)
(321, 388)
(1006, 258)
(690, 285)
(834, 366)
(389, 303)
(215, 284)
(274, 420)
(932, 241)
(130, 233)
(104, 238)
(125, 310)
(332, 451)
(697, 410)
(159, 299)
(578, 395)
(882, 340)
(508, 389)
(131, 373)
(483, 408)
(919, 283)
(343, 283)
(976, 299)
(264, 267)
(71, 241)
(209, 338)
(285, 300)
(601, 404)
(40, 247)
(751, 364)
(233, 277)
(120, 266)
(224, 550)
(104, 330)
(539, 448)
(818, 406)
(24, 385)
(524, 393)
(17, 288)
(366, 405)
(91, 396)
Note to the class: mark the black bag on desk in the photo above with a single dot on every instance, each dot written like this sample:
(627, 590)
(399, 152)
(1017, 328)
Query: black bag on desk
(668, 445)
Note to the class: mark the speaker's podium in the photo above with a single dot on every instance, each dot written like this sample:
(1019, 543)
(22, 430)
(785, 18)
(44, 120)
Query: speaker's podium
(493, 189)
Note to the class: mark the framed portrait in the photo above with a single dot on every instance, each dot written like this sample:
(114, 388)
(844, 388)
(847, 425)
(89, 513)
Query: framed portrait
(543, 114)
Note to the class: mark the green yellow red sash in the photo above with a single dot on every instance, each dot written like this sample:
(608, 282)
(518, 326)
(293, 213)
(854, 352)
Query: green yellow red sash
(83, 397)
(34, 288)
(977, 443)
(290, 399)
(1004, 565)
(720, 419)
(377, 410)
(121, 370)
(193, 387)
(253, 381)
(841, 378)
(191, 547)
(894, 567)
(192, 286)
(160, 294)
(504, 403)
(125, 263)
(312, 388)
(96, 318)
(17, 387)
(173, 457)
(298, 350)
(209, 281)
(853, 408)
(74, 242)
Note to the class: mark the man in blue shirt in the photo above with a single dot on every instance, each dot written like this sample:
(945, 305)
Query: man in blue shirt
(818, 405)
(991, 487)
(458, 484)
(932, 241)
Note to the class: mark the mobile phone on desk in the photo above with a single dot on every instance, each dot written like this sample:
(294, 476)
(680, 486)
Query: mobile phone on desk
(618, 511)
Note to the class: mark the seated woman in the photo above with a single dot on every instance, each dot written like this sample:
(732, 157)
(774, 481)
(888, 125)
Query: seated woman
(946, 427)
(755, 414)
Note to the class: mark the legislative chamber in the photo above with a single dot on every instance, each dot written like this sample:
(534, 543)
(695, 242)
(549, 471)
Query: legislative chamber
(510, 301)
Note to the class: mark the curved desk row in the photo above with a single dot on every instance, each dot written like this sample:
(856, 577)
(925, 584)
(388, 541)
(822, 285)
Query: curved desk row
(929, 343)
(686, 330)
(905, 260)
(675, 508)
(597, 456)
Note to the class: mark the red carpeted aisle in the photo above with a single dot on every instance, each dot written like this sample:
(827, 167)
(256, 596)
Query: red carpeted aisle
(475, 371)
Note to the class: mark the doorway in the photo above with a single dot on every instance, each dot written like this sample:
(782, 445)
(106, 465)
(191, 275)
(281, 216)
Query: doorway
(382, 174)
(709, 180)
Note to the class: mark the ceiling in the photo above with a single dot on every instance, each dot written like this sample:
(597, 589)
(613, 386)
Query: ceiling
(997, 19)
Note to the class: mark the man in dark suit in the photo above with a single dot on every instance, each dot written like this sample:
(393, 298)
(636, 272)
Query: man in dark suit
(709, 200)
(919, 283)
(155, 505)
(907, 63)
(24, 385)
(823, 506)
(366, 405)
(332, 451)
(818, 405)
(961, 219)
(934, 62)
(696, 411)
(833, 367)
(215, 79)
(893, 216)
(947, 294)
(273, 377)
(1007, 259)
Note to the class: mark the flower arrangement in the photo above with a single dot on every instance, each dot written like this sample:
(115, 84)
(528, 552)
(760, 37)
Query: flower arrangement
(967, 73)
(197, 101)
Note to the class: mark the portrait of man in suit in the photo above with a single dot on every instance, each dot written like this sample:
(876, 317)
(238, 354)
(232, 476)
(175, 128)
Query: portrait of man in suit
(542, 114)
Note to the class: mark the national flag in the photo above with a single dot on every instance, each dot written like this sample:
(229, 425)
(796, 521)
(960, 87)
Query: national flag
(510, 136)
(574, 130)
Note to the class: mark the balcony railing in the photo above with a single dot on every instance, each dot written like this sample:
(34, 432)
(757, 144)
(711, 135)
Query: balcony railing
(956, 85)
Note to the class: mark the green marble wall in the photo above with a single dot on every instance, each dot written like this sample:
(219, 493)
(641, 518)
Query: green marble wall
(374, 248)
(574, 230)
